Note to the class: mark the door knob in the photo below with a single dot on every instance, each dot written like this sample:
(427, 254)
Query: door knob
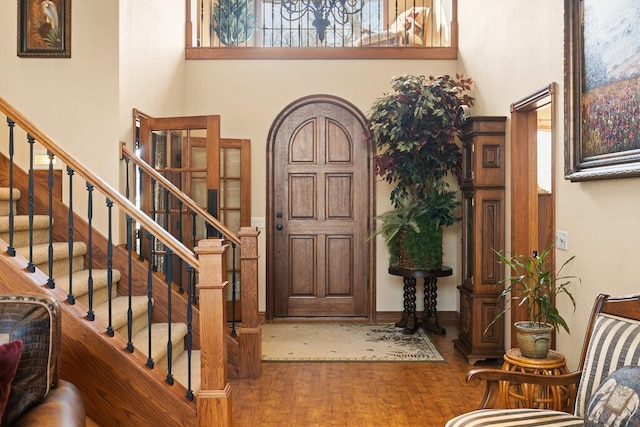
(279, 214)
(279, 227)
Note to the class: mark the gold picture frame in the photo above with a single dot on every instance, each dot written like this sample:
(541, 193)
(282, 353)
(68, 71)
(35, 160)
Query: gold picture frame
(44, 28)
(602, 90)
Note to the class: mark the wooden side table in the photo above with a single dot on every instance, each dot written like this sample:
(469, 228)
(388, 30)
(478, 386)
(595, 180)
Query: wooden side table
(409, 320)
(534, 396)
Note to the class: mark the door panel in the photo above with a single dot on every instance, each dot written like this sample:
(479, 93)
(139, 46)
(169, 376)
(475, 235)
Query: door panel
(215, 172)
(318, 224)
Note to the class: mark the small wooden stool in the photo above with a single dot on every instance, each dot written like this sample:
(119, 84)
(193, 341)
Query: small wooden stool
(530, 395)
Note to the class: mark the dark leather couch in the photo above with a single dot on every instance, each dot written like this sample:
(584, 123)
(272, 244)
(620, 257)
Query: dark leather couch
(38, 397)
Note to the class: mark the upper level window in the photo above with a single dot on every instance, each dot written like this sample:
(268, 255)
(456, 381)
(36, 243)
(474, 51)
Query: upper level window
(315, 28)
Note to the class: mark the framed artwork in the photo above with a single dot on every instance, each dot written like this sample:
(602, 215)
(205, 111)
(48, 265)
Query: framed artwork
(602, 89)
(44, 28)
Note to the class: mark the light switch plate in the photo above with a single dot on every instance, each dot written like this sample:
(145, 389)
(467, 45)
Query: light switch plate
(561, 240)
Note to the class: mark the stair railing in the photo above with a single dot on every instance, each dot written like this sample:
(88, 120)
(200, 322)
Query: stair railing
(246, 242)
(214, 399)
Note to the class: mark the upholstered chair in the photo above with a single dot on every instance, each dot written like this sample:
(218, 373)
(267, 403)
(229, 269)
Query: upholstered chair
(607, 383)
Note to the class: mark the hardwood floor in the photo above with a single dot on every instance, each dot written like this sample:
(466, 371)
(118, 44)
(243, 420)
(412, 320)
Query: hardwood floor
(359, 394)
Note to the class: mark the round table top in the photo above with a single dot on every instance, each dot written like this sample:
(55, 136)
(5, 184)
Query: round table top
(553, 360)
(406, 272)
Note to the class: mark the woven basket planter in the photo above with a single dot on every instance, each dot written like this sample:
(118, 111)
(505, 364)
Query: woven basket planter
(428, 244)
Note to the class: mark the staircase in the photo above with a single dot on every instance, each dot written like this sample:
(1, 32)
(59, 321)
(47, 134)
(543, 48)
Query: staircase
(66, 272)
(107, 330)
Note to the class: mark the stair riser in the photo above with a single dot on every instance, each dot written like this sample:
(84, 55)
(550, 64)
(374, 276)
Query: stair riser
(61, 266)
(177, 350)
(21, 237)
(4, 207)
(100, 296)
(139, 322)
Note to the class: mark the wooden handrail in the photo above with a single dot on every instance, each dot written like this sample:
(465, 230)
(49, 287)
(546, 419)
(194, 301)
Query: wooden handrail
(188, 201)
(125, 204)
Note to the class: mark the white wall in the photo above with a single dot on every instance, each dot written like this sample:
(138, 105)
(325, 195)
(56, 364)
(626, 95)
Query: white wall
(512, 48)
(72, 100)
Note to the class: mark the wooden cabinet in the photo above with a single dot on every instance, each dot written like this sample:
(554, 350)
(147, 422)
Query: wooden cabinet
(483, 228)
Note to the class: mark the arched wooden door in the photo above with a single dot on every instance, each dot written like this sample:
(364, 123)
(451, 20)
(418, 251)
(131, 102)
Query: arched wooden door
(319, 212)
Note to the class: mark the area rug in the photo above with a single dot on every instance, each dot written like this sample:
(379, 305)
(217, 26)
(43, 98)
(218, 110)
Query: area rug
(350, 342)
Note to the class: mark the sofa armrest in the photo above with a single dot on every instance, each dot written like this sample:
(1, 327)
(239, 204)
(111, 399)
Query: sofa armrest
(63, 406)
(493, 377)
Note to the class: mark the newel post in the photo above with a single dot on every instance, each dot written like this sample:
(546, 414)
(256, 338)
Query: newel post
(214, 399)
(250, 337)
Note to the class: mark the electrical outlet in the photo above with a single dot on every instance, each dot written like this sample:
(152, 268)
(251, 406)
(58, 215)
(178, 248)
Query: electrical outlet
(258, 221)
(561, 240)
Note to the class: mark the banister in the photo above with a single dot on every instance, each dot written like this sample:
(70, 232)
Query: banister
(175, 191)
(176, 246)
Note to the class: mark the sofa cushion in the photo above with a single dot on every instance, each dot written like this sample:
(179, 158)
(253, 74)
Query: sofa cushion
(617, 400)
(614, 343)
(9, 358)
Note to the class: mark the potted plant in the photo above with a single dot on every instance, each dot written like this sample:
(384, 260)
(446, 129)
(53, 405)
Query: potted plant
(414, 129)
(536, 288)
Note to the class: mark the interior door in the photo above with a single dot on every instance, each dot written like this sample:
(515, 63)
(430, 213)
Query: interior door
(319, 211)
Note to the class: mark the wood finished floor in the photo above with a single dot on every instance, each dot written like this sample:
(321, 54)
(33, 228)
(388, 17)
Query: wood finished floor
(358, 394)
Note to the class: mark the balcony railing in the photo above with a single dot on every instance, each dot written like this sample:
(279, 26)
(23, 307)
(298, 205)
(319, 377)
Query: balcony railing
(357, 29)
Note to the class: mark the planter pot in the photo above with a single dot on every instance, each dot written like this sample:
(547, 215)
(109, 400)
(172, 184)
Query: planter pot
(533, 340)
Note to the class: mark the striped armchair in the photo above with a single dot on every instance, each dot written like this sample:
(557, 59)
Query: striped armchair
(613, 342)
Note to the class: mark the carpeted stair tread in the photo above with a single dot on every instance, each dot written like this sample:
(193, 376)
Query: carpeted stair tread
(81, 285)
(21, 229)
(4, 193)
(60, 251)
(159, 333)
(181, 371)
(120, 307)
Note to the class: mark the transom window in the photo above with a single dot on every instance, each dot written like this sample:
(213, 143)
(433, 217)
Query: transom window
(314, 28)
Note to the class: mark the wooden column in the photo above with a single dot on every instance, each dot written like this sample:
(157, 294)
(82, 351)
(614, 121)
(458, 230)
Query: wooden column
(250, 337)
(214, 399)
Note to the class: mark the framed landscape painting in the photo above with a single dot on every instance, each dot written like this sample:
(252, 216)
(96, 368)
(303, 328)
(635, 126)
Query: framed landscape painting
(602, 89)
(44, 28)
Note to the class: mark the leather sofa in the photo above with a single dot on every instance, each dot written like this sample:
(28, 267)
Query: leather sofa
(37, 396)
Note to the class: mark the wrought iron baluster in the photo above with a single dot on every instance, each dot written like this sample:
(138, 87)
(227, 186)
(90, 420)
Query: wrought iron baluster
(30, 265)
(166, 226)
(90, 313)
(189, 336)
(192, 282)
(50, 281)
(126, 168)
(110, 330)
(10, 249)
(150, 363)
(169, 379)
(180, 237)
(70, 297)
(130, 346)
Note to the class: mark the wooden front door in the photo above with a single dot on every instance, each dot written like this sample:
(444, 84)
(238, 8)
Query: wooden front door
(319, 212)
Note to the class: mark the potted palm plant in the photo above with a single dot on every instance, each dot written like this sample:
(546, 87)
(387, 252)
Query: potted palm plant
(414, 129)
(536, 288)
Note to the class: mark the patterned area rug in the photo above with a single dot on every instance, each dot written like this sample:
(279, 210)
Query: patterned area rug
(300, 342)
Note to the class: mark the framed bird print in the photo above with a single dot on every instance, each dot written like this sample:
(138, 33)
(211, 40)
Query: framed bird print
(44, 28)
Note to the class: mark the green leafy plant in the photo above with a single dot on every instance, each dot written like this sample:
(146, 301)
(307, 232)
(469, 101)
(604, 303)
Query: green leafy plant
(536, 288)
(232, 21)
(414, 129)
